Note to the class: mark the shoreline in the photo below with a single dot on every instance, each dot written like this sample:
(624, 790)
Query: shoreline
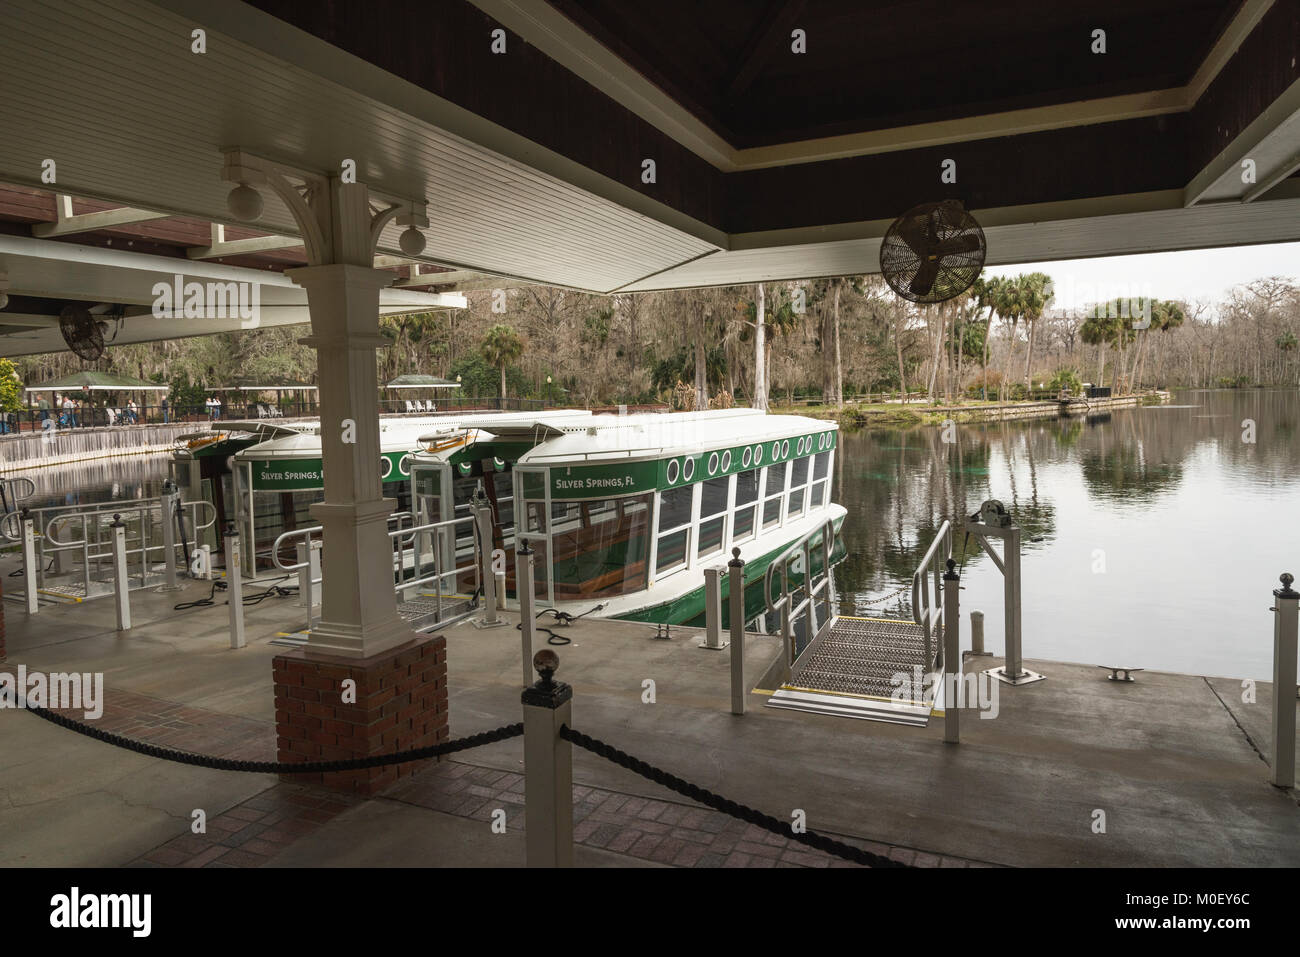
(853, 417)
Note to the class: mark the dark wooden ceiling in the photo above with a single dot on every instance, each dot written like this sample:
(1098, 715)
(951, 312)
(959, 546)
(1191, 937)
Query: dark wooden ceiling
(873, 64)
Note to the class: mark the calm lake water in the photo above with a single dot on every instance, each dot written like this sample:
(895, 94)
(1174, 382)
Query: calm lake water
(1163, 531)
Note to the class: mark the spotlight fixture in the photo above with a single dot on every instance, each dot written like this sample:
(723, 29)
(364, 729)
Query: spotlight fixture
(411, 241)
(245, 203)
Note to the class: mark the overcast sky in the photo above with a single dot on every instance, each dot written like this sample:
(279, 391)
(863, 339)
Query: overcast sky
(1203, 274)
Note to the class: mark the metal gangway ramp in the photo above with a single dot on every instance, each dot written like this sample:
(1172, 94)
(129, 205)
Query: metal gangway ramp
(873, 669)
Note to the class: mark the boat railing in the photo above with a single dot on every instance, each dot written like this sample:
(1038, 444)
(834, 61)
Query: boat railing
(927, 594)
(88, 534)
(802, 586)
(423, 555)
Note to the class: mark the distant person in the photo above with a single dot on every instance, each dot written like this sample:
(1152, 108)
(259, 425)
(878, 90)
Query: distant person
(69, 412)
(216, 407)
(211, 409)
(132, 411)
(164, 411)
(44, 406)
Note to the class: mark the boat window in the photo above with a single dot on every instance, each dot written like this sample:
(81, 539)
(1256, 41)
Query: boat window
(534, 494)
(672, 551)
(742, 525)
(674, 520)
(747, 487)
(822, 465)
(711, 536)
(713, 496)
(798, 487)
(799, 473)
(604, 552)
(775, 494)
(675, 507)
(818, 495)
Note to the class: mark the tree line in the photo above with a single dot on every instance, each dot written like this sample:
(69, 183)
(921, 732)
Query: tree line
(773, 343)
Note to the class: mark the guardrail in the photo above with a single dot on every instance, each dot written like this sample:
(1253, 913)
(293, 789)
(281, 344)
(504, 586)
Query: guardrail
(64, 532)
(423, 555)
(813, 583)
(927, 598)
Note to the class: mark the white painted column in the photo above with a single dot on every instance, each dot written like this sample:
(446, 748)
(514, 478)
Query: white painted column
(1286, 613)
(358, 607)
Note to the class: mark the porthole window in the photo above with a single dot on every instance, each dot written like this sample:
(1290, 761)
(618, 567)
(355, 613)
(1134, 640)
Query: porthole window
(674, 468)
(785, 448)
(688, 470)
(385, 466)
(746, 457)
(776, 450)
(404, 465)
(713, 463)
(758, 455)
(821, 441)
(726, 461)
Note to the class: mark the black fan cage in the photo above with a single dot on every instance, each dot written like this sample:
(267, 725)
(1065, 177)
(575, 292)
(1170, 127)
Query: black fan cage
(81, 332)
(933, 252)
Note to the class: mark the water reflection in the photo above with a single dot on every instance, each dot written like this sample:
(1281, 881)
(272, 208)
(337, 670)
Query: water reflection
(1153, 536)
(101, 480)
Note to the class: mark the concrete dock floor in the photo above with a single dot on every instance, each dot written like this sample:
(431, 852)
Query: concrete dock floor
(1175, 763)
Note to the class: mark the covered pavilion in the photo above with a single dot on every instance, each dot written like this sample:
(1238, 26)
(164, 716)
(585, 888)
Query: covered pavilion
(353, 170)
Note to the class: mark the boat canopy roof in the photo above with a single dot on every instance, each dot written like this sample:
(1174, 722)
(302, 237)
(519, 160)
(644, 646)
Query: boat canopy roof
(395, 435)
(658, 435)
(515, 426)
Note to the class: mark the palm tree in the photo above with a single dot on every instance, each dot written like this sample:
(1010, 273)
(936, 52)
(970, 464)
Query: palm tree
(986, 293)
(1099, 329)
(1036, 297)
(502, 346)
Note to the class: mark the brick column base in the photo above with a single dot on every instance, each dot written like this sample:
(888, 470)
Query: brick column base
(401, 703)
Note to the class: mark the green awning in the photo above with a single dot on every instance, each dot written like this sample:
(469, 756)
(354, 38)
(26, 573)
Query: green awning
(98, 382)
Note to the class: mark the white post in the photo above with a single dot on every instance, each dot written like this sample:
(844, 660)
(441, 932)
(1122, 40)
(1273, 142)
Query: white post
(524, 589)
(713, 610)
(167, 502)
(1286, 607)
(234, 588)
(1011, 601)
(977, 635)
(548, 768)
(31, 567)
(478, 504)
(121, 578)
(952, 665)
(205, 562)
(736, 614)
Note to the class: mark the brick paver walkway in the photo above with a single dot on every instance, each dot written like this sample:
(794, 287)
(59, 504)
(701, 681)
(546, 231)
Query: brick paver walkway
(251, 833)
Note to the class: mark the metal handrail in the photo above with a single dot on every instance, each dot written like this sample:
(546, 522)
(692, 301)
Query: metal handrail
(927, 603)
(802, 548)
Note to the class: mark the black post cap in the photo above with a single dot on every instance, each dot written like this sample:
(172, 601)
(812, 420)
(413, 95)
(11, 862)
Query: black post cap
(547, 693)
(951, 574)
(1286, 591)
(736, 561)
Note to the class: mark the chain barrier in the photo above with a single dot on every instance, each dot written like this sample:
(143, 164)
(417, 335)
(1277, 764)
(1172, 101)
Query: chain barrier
(892, 594)
(278, 767)
(719, 803)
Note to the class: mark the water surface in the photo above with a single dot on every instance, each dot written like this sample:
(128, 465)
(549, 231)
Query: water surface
(1163, 530)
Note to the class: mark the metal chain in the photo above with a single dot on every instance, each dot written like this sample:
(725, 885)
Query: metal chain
(719, 803)
(892, 594)
(278, 767)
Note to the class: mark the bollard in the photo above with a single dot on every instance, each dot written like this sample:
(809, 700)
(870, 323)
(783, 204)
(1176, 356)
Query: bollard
(234, 588)
(501, 590)
(204, 553)
(308, 556)
(121, 579)
(736, 611)
(31, 567)
(478, 504)
(977, 635)
(524, 587)
(548, 767)
(1286, 615)
(952, 670)
(168, 503)
(712, 610)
